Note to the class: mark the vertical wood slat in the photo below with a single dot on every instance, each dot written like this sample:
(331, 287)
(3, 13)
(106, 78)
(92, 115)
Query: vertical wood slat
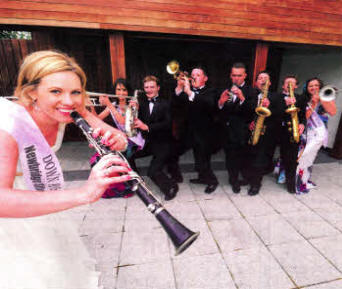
(260, 59)
(42, 40)
(117, 55)
(13, 51)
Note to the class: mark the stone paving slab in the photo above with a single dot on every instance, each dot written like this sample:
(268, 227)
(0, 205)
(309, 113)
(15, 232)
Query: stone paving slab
(269, 241)
(304, 264)
(274, 229)
(256, 268)
(208, 271)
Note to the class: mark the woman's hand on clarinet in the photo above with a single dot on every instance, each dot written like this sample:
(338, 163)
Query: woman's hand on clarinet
(110, 169)
(116, 141)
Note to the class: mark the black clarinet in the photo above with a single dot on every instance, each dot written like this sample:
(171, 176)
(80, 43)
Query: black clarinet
(180, 235)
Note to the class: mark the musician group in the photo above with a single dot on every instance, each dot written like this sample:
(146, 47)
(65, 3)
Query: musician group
(249, 123)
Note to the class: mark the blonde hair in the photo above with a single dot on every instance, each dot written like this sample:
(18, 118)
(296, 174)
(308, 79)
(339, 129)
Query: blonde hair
(42, 63)
(151, 78)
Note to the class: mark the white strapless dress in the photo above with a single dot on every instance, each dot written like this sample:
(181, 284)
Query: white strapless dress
(45, 252)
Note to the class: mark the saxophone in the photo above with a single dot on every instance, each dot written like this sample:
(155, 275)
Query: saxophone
(293, 111)
(131, 115)
(262, 113)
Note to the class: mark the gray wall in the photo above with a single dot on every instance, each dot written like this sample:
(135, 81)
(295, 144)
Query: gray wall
(326, 63)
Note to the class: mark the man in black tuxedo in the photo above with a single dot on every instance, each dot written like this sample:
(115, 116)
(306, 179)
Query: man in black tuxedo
(200, 102)
(235, 115)
(154, 121)
(260, 155)
(288, 146)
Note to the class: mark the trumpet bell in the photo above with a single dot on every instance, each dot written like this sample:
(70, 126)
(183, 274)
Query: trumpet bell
(327, 93)
(172, 67)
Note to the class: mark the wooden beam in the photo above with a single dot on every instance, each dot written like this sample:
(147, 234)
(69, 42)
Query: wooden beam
(260, 59)
(117, 55)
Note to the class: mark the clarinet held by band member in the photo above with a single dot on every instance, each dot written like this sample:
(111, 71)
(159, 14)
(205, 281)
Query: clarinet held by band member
(180, 236)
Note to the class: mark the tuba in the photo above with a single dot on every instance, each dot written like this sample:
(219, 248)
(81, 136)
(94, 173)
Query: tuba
(293, 111)
(131, 115)
(262, 113)
(180, 235)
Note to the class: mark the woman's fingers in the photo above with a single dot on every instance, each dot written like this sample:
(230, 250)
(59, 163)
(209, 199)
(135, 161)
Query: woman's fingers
(109, 160)
(115, 140)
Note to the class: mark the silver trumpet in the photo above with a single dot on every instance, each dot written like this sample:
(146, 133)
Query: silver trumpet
(94, 97)
(131, 115)
(328, 93)
(131, 111)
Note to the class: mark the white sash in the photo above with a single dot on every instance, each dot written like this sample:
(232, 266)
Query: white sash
(40, 166)
(316, 123)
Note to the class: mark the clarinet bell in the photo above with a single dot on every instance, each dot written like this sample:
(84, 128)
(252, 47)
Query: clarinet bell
(180, 235)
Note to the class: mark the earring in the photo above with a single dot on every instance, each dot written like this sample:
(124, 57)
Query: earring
(34, 104)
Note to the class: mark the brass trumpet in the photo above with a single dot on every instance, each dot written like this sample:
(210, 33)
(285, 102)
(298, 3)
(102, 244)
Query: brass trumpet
(293, 110)
(173, 68)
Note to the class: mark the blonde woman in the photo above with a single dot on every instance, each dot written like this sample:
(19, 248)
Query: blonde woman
(41, 250)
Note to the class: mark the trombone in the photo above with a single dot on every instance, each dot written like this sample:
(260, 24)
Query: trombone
(94, 97)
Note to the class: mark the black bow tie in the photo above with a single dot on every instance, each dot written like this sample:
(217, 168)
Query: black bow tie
(196, 90)
(153, 100)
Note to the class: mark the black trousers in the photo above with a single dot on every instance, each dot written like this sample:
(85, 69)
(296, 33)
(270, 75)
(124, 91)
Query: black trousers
(289, 155)
(160, 152)
(201, 152)
(260, 160)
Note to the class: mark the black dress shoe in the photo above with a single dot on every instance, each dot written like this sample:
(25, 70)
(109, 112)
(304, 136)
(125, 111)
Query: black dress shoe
(236, 188)
(171, 193)
(253, 191)
(198, 181)
(210, 188)
(291, 191)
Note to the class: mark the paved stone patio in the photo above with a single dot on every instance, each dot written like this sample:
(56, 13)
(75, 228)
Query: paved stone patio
(274, 240)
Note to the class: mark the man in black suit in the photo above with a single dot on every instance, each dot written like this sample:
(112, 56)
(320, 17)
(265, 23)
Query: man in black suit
(260, 155)
(154, 121)
(235, 115)
(288, 146)
(200, 102)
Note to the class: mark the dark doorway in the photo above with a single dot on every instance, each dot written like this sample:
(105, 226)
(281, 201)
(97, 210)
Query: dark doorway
(150, 54)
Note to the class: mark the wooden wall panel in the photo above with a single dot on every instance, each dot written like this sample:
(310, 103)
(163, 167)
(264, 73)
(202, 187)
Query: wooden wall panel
(117, 56)
(312, 22)
(260, 59)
